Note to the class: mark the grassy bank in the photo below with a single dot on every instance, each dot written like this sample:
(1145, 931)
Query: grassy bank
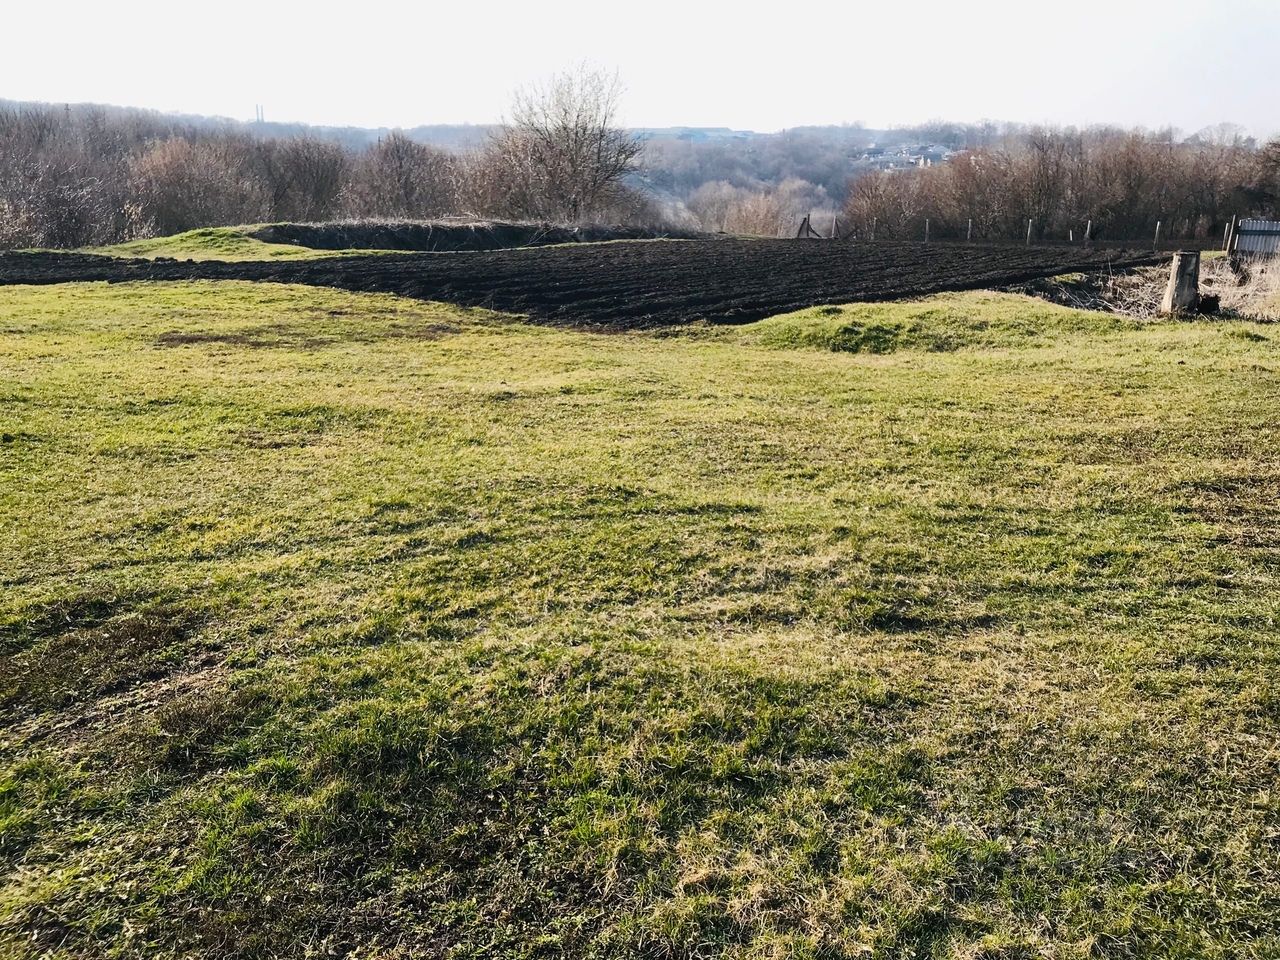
(340, 622)
(217, 243)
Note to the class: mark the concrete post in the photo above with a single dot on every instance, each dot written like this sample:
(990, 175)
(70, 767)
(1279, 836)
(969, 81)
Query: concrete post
(1182, 295)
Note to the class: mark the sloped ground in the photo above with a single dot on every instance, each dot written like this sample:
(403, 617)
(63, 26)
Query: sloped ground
(450, 235)
(305, 241)
(626, 285)
(351, 625)
(212, 243)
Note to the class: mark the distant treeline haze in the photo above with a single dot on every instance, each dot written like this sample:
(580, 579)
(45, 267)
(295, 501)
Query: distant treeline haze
(84, 176)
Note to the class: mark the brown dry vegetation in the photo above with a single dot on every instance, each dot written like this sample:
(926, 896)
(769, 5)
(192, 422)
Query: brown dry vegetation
(89, 178)
(1242, 289)
(1060, 180)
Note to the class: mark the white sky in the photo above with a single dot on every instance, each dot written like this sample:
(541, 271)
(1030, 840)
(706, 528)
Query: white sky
(760, 66)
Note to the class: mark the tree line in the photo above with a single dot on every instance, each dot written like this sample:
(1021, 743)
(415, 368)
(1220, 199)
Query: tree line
(86, 176)
(1058, 182)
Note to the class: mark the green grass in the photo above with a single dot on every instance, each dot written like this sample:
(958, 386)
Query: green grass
(939, 324)
(218, 243)
(334, 622)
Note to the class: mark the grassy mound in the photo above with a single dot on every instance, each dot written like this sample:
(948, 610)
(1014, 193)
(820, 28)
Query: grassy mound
(215, 243)
(347, 623)
(943, 323)
(454, 234)
(305, 241)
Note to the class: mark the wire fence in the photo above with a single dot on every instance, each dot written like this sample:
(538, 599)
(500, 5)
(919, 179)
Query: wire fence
(1247, 238)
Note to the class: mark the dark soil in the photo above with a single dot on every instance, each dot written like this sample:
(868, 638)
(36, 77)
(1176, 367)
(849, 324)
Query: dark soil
(446, 236)
(628, 285)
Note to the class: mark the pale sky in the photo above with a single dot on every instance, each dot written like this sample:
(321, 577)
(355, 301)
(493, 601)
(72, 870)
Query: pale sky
(760, 66)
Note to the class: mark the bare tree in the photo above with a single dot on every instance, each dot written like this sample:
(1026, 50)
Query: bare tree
(714, 202)
(316, 173)
(886, 205)
(563, 153)
(184, 184)
(1264, 192)
(79, 176)
(764, 212)
(402, 178)
(1123, 182)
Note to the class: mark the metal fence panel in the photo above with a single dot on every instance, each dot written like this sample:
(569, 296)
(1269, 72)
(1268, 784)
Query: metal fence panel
(1258, 238)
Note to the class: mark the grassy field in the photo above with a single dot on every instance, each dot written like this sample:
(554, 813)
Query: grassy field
(345, 625)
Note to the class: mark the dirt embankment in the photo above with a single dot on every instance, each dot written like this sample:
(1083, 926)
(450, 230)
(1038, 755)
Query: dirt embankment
(448, 235)
(627, 285)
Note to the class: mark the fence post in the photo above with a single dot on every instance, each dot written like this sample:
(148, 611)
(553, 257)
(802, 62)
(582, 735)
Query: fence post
(1182, 295)
(874, 221)
(1071, 235)
(1088, 231)
(926, 229)
(968, 237)
(1028, 232)
(1156, 245)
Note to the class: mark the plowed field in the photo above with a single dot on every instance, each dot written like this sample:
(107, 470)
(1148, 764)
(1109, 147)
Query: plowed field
(625, 285)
